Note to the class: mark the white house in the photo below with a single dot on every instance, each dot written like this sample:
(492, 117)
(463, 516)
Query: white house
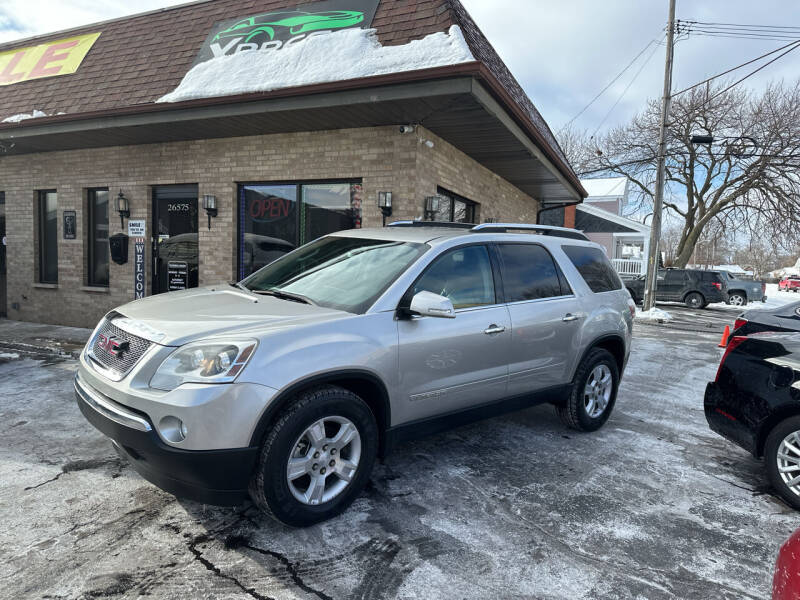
(600, 217)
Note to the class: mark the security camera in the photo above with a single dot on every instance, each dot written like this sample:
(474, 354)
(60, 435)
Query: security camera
(407, 129)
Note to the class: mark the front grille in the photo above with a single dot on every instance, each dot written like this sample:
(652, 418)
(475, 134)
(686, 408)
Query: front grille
(119, 365)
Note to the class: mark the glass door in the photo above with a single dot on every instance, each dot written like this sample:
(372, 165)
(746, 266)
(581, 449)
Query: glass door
(175, 248)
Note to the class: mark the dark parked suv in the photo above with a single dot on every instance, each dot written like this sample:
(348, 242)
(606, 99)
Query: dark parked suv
(696, 289)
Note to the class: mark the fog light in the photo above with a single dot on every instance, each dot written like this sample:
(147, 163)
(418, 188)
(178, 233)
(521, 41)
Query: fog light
(172, 429)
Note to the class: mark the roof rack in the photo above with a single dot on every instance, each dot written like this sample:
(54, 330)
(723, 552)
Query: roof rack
(439, 224)
(563, 232)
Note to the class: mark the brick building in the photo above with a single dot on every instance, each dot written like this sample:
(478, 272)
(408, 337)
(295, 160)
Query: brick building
(81, 126)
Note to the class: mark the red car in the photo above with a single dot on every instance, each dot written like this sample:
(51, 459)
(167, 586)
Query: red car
(789, 284)
(786, 584)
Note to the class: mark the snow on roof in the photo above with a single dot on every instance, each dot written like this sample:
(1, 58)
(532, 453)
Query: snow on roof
(337, 56)
(605, 187)
(36, 114)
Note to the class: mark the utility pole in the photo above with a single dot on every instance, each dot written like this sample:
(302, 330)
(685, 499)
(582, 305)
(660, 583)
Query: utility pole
(658, 204)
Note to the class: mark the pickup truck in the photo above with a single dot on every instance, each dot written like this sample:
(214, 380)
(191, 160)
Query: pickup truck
(789, 284)
(742, 291)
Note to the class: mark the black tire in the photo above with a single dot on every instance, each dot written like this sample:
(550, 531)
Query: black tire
(573, 412)
(695, 300)
(774, 440)
(269, 487)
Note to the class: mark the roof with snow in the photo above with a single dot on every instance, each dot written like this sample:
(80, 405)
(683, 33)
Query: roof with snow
(605, 187)
(142, 58)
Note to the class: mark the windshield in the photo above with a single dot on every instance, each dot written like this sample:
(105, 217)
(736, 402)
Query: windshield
(337, 272)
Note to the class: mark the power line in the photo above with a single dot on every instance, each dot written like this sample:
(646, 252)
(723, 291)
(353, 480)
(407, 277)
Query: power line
(765, 65)
(736, 68)
(625, 91)
(612, 82)
(738, 25)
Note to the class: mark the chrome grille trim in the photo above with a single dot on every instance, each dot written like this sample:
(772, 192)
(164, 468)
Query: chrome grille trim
(112, 366)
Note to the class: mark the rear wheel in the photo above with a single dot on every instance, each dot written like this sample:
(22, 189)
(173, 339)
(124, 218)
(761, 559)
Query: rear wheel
(317, 457)
(594, 392)
(695, 300)
(737, 299)
(782, 460)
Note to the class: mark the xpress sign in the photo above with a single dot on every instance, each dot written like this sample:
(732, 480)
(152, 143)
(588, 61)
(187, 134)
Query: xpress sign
(278, 29)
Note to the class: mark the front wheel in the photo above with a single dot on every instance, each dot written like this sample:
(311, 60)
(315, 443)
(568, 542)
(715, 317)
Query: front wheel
(695, 300)
(317, 457)
(782, 460)
(737, 299)
(593, 394)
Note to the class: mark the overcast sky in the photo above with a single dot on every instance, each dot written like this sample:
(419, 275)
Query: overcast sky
(562, 52)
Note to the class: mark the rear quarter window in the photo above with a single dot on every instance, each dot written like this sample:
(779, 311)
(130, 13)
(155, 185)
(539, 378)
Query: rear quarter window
(594, 267)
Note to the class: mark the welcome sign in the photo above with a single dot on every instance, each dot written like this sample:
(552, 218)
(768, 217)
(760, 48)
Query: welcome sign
(51, 59)
(278, 29)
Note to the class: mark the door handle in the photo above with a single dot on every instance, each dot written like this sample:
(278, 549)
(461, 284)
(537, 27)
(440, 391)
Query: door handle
(570, 317)
(494, 329)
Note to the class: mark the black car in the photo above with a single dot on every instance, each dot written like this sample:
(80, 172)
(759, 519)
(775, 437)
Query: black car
(755, 403)
(783, 319)
(696, 289)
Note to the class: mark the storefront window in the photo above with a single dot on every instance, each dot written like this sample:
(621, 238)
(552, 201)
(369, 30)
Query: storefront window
(97, 225)
(48, 236)
(455, 208)
(277, 218)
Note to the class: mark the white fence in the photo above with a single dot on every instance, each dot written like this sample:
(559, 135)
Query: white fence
(628, 266)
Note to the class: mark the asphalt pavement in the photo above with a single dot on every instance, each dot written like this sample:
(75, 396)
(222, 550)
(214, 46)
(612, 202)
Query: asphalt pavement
(654, 506)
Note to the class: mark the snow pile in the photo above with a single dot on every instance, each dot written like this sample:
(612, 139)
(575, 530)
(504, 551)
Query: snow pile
(653, 315)
(338, 56)
(24, 116)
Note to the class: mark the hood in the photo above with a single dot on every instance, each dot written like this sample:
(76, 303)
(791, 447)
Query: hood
(176, 318)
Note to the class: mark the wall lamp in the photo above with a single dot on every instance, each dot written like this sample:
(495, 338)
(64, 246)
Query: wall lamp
(432, 204)
(123, 208)
(385, 204)
(210, 205)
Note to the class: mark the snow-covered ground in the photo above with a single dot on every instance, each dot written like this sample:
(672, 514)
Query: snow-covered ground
(775, 299)
(653, 506)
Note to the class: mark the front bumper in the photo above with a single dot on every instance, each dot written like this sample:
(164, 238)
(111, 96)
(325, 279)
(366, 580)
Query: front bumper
(217, 477)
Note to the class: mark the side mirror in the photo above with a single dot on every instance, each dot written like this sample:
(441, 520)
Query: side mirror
(428, 304)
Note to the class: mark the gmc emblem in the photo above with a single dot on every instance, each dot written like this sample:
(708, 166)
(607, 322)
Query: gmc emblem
(112, 344)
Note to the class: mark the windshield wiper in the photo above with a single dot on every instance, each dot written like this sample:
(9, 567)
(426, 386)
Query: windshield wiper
(238, 285)
(286, 296)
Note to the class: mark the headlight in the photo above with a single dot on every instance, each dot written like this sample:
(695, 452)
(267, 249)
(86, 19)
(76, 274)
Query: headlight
(203, 362)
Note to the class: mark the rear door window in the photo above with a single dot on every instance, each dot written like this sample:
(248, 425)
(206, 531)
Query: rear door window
(529, 273)
(594, 267)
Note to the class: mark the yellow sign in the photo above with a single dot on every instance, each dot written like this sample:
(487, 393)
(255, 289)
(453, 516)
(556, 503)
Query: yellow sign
(60, 57)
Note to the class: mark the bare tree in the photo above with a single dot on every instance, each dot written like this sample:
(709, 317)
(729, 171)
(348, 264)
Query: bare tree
(747, 182)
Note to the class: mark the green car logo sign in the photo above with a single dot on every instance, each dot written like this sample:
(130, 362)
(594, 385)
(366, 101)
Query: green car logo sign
(276, 30)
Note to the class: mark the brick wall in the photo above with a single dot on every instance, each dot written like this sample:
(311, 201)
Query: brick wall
(382, 157)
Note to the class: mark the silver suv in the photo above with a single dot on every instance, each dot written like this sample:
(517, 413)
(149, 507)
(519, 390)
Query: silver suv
(288, 384)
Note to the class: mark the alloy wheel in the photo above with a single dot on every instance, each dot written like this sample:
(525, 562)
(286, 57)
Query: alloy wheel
(324, 460)
(597, 391)
(789, 461)
(736, 300)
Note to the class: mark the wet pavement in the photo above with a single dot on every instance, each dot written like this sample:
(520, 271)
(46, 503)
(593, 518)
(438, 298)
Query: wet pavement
(652, 506)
